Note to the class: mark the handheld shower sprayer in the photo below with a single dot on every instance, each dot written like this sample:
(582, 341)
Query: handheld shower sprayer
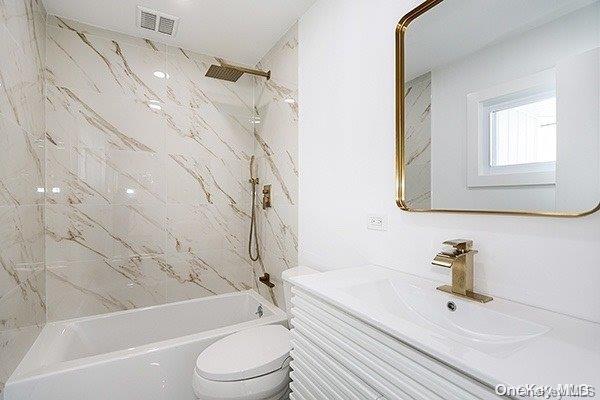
(253, 233)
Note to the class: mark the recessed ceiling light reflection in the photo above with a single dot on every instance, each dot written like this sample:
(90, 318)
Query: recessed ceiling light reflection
(155, 105)
(161, 75)
(289, 100)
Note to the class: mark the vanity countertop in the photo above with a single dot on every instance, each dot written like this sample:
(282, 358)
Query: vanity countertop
(500, 342)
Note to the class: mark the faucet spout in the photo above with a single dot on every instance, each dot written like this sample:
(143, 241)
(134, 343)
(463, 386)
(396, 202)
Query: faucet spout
(460, 261)
(443, 260)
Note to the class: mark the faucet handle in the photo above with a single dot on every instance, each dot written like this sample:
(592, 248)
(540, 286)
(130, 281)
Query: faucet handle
(461, 245)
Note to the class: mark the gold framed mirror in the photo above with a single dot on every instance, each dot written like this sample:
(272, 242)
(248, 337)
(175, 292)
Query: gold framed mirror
(498, 107)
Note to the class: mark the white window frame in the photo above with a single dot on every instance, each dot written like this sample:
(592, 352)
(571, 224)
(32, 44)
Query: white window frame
(480, 105)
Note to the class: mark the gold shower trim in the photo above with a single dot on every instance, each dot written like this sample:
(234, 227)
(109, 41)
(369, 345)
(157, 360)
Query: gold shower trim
(400, 160)
(232, 73)
(266, 74)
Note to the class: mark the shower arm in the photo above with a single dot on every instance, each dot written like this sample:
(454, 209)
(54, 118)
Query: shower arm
(245, 70)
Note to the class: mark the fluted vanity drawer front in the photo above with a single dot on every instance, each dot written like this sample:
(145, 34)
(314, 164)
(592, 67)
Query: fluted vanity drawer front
(322, 360)
(326, 386)
(381, 362)
(320, 368)
(305, 386)
(381, 377)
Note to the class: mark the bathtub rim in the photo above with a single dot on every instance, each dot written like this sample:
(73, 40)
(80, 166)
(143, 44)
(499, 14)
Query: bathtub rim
(25, 371)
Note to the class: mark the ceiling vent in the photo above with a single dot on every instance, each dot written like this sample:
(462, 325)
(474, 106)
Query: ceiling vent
(156, 21)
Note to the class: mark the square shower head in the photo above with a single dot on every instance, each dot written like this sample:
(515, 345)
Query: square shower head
(225, 73)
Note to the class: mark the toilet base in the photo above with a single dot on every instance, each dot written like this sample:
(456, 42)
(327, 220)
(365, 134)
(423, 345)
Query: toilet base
(273, 386)
(283, 395)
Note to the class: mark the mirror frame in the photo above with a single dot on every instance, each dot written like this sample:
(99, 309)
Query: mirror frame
(401, 29)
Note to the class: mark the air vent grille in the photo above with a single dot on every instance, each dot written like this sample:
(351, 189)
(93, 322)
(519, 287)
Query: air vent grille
(156, 21)
(166, 25)
(148, 20)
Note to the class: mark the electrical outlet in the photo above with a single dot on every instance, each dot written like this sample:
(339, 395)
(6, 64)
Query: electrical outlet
(377, 222)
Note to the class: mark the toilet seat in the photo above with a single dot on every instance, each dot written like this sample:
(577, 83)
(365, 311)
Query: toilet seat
(245, 354)
(250, 364)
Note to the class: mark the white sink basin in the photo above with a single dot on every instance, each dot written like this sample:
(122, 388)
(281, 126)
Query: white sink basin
(470, 323)
(496, 342)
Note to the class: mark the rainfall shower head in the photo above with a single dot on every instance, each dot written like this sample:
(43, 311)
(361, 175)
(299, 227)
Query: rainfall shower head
(232, 73)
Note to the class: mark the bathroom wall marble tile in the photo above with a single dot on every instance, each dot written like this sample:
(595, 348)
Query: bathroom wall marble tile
(137, 177)
(21, 236)
(76, 174)
(94, 287)
(95, 232)
(278, 244)
(279, 224)
(279, 167)
(418, 191)
(99, 147)
(78, 232)
(22, 284)
(208, 132)
(418, 141)
(160, 184)
(277, 149)
(194, 228)
(84, 175)
(13, 347)
(231, 180)
(196, 180)
(138, 230)
(276, 138)
(281, 59)
(100, 121)
(189, 181)
(25, 21)
(189, 87)
(25, 304)
(235, 225)
(418, 120)
(205, 274)
(86, 62)
(21, 94)
(22, 169)
(21, 165)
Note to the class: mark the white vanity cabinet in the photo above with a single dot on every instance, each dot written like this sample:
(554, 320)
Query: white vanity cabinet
(337, 356)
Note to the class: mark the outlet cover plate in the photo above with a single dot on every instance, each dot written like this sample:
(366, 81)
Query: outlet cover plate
(377, 222)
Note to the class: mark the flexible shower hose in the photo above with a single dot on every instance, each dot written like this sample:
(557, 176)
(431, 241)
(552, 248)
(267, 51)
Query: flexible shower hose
(253, 225)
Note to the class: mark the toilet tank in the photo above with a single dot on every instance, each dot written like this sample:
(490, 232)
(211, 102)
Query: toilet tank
(287, 287)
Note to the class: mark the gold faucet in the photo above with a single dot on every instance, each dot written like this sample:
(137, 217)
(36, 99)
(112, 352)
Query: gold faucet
(460, 260)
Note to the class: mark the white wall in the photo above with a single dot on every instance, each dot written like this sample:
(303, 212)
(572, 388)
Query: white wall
(536, 50)
(579, 147)
(346, 156)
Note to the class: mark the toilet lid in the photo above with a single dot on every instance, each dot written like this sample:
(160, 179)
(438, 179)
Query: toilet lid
(245, 354)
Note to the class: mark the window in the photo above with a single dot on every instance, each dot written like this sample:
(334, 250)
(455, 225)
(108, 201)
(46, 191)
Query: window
(523, 133)
(512, 133)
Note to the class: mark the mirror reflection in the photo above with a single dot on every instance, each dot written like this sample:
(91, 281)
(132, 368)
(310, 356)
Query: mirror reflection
(502, 106)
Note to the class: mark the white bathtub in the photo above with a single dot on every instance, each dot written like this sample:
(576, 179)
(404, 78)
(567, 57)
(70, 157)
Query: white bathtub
(147, 353)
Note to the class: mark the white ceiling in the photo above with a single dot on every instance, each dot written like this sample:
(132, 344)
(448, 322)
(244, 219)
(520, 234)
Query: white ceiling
(456, 28)
(238, 30)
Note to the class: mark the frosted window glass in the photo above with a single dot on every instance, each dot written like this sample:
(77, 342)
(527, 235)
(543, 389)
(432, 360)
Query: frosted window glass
(523, 134)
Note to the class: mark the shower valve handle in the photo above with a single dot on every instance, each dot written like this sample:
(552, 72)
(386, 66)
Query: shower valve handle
(266, 197)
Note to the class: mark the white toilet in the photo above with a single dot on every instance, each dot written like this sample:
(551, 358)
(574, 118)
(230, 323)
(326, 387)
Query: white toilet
(252, 364)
